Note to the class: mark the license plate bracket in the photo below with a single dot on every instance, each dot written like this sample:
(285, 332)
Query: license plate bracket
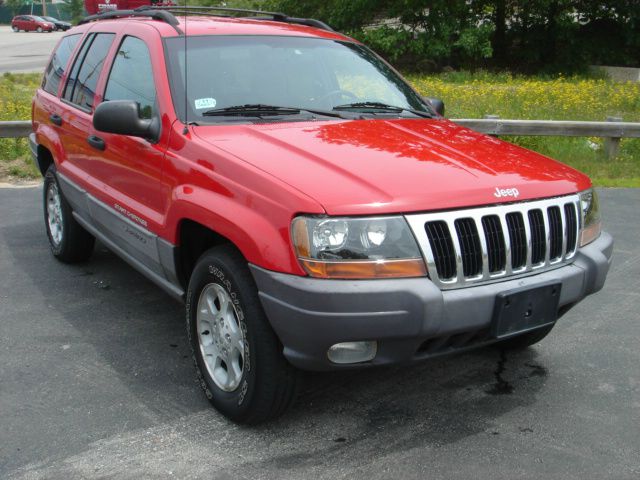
(523, 309)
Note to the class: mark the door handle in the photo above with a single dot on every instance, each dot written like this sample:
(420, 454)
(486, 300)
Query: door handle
(96, 142)
(55, 119)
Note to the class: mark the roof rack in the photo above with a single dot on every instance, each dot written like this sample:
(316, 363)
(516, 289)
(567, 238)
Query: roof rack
(162, 15)
(253, 14)
(166, 14)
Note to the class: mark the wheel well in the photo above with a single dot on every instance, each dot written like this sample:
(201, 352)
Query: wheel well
(195, 239)
(44, 159)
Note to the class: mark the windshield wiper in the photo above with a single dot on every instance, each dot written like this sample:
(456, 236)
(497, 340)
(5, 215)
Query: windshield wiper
(381, 107)
(251, 110)
(259, 109)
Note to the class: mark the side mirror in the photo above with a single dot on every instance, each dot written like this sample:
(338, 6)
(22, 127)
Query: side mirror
(123, 117)
(437, 104)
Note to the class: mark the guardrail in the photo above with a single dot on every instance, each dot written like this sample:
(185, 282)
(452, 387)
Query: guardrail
(15, 129)
(612, 130)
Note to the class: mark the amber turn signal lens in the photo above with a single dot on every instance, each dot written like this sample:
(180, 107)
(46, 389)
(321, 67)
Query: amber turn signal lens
(301, 238)
(590, 233)
(411, 267)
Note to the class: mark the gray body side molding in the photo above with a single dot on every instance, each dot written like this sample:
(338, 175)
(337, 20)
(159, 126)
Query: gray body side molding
(151, 255)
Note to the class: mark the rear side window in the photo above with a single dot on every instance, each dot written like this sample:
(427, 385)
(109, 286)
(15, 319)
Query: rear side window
(131, 76)
(58, 64)
(82, 82)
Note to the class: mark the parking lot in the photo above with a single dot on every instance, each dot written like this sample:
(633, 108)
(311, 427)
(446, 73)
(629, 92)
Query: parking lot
(25, 51)
(96, 382)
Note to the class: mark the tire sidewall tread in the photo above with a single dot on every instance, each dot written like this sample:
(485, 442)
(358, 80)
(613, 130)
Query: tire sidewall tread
(268, 384)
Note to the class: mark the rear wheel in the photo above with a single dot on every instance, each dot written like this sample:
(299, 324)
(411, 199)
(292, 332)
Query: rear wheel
(525, 340)
(69, 242)
(237, 356)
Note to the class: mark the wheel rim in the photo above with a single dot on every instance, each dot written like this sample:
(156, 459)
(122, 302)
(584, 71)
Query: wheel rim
(39, 30)
(220, 336)
(54, 214)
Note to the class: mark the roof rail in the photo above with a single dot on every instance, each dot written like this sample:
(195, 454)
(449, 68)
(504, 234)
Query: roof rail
(166, 14)
(156, 14)
(253, 14)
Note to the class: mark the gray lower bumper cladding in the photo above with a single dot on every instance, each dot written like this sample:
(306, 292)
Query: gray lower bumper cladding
(411, 319)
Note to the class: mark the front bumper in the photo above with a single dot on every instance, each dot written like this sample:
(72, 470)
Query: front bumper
(411, 319)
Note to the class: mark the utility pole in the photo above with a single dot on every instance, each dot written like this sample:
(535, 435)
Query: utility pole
(44, 7)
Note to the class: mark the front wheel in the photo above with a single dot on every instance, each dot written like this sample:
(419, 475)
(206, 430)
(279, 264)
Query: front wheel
(39, 29)
(15, 29)
(69, 242)
(237, 356)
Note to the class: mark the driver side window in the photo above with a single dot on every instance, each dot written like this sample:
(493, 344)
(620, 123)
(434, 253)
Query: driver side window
(131, 77)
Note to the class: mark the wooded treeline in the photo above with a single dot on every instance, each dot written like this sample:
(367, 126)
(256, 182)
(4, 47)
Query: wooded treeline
(530, 36)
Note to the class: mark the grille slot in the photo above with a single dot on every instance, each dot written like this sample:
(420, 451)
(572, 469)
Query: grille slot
(442, 246)
(538, 240)
(496, 251)
(572, 227)
(555, 233)
(518, 237)
(479, 245)
(470, 246)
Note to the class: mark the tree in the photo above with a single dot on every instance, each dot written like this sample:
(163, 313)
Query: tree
(75, 9)
(15, 5)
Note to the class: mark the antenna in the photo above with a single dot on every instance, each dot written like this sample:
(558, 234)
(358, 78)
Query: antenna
(186, 83)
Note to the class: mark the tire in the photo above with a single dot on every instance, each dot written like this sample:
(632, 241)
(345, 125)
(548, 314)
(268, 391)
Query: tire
(69, 242)
(239, 361)
(15, 29)
(39, 29)
(525, 340)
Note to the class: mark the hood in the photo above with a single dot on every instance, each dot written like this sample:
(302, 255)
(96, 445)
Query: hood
(364, 167)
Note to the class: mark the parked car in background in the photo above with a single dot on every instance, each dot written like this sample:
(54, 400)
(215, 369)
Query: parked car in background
(59, 24)
(31, 23)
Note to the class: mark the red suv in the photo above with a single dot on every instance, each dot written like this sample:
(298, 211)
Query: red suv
(311, 210)
(31, 23)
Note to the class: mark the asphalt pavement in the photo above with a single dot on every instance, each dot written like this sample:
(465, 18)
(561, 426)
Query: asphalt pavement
(22, 52)
(96, 382)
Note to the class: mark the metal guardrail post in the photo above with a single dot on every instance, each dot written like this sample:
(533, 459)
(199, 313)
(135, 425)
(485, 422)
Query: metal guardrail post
(492, 117)
(612, 144)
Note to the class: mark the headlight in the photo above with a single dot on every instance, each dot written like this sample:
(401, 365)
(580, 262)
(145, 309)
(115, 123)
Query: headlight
(340, 247)
(590, 211)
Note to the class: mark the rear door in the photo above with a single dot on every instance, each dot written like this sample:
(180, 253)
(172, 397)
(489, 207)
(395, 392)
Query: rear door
(78, 97)
(30, 24)
(48, 109)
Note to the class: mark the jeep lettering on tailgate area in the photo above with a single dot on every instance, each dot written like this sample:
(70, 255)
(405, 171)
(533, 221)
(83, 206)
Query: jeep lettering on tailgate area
(311, 210)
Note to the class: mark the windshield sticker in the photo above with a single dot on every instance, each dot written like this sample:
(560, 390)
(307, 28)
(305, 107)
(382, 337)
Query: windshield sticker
(205, 103)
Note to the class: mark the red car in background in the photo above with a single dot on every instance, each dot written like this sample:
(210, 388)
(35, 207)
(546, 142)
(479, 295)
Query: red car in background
(31, 23)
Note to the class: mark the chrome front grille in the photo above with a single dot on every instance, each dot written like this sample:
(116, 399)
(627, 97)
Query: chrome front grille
(481, 245)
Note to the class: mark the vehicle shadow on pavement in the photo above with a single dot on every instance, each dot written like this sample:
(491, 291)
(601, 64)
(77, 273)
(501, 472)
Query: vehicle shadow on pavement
(138, 340)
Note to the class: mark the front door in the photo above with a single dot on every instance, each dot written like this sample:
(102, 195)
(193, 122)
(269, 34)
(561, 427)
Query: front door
(128, 172)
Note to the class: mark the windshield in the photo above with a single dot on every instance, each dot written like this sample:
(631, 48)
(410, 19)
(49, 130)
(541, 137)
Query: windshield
(297, 72)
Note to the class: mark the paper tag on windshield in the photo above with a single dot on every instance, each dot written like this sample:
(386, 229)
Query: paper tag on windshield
(205, 103)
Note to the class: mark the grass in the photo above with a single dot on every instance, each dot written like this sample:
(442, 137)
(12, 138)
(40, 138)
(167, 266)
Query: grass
(466, 95)
(16, 91)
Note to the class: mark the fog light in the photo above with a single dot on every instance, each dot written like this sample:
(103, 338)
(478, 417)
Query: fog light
(352, 352)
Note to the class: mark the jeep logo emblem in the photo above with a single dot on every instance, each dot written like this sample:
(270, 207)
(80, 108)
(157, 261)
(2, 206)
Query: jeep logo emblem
(506, 192)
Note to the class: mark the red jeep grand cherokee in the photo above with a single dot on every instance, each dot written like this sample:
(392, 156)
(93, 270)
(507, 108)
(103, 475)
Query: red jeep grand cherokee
(308, 206)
